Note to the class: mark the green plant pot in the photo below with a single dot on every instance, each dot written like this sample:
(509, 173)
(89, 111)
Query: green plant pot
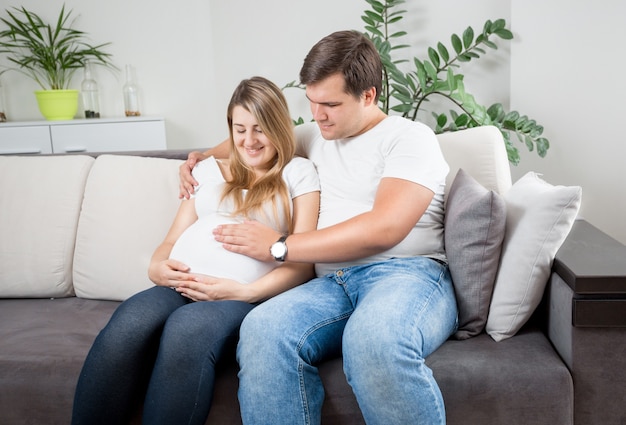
(56, 105)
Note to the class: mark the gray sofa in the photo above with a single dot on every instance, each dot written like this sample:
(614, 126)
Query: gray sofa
(77, 232)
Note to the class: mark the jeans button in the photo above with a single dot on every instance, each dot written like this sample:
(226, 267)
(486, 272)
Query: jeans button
(339, 273)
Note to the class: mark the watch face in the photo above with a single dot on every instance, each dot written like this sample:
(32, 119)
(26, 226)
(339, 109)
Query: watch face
(278, 249)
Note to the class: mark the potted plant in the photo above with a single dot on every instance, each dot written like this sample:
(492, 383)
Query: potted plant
(50, 55)
(438, 76)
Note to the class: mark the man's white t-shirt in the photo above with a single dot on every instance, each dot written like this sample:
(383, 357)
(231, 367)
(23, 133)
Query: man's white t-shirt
(350, 171)
(198, 249)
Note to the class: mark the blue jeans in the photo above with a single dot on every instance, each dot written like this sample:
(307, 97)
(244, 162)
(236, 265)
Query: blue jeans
(161, 345)
(385, 317)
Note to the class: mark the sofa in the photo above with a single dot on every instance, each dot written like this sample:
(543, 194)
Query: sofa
(77, 233)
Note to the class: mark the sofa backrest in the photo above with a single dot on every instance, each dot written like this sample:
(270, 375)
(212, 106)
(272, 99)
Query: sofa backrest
(78, 225)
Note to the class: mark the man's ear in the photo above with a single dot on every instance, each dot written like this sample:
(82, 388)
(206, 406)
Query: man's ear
(369, 96)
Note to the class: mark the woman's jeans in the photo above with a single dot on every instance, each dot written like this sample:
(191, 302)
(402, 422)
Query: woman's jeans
(160, 345)
(386, 317)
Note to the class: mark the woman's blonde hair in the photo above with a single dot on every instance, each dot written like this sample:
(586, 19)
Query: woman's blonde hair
(266, 102)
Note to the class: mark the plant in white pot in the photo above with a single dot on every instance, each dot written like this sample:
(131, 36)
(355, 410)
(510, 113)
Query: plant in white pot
(50, 54)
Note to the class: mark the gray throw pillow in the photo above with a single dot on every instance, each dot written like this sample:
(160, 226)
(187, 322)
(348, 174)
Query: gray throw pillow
(474, 224)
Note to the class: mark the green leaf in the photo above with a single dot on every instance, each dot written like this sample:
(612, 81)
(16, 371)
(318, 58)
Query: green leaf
(529, 143)
(528, 126)
(457, 44)
(421, 75)
(431, 71)
(498, 24)
(402, 108)
(504, 34)
(487, 27)
(376, 5)
(490, 44)
(468, 37)
(375, 31)
(536, 131)
(434, 57)
(452, 83)
(542, 146)
(399, 34)
(512, 152)
(384, 49)
(368, 21)
(496, 112)
(374, 17)
(402, 90)
(440, 86)
(443, 52)
(441, 120)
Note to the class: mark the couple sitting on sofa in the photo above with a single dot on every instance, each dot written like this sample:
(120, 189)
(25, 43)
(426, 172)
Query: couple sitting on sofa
(383, 297)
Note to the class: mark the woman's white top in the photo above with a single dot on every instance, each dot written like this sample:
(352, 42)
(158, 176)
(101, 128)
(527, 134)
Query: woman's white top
(197, 248)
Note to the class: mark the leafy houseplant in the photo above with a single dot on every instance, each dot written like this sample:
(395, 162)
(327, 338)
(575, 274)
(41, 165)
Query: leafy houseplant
(406, 93)
(49, 54)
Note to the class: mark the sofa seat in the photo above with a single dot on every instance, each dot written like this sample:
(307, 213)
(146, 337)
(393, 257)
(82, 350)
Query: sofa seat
(43, 350)
(41, 354)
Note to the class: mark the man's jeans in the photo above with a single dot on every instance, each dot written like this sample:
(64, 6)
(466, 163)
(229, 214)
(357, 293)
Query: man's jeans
(386, 317)
(160, 342)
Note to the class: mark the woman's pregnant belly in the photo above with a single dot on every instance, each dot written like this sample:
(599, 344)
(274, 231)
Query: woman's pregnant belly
(197, 248)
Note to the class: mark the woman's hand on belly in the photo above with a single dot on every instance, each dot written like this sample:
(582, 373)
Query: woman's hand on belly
(210, 288)
(169, 273)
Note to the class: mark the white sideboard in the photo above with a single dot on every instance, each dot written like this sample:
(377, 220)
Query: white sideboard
(82, 135)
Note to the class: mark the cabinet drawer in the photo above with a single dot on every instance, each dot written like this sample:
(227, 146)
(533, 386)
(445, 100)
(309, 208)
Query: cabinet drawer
(25, 140)
(109, 137)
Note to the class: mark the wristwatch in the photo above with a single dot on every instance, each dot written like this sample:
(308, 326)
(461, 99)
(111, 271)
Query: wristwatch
(279, 249)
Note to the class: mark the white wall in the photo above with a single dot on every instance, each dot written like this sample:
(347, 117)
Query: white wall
(190, 54)
(567, 72)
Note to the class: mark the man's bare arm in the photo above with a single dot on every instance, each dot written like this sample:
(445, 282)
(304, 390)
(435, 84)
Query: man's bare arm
(398, 206)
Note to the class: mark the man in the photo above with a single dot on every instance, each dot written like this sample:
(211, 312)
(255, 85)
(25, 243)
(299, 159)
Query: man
(383, 297)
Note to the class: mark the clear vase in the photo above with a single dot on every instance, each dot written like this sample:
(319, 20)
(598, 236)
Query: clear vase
(131, 94)
(3, 114)
(89, 94)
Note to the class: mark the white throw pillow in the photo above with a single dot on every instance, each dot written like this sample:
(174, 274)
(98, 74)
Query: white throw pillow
(539, 218)
(40, 198)
(130, 203)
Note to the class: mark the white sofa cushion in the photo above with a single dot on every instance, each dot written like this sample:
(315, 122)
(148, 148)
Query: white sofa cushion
(480, 151)
(40, 199)
(129, 205)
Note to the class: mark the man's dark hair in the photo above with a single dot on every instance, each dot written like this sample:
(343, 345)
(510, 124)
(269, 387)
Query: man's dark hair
(348, 53)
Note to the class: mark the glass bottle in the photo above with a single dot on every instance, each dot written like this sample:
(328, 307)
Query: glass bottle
(89, 92)
(131, 94)
(3, 115)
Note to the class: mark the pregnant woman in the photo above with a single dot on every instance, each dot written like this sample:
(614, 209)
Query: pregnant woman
(161, 345)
